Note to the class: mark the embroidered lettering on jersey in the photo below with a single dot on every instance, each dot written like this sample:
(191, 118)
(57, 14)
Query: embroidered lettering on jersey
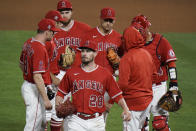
(72, 41)
(41, 65)
(28, 49)
(54, 55)
(87, 84)
(103, 46)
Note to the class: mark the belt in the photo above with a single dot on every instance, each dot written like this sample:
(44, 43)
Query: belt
(87, 116)
(157, 84)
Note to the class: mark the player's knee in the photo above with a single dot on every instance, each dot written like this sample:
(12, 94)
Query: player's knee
(160, 123)
(146, 125)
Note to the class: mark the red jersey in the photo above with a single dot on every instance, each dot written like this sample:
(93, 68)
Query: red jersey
(162, 53)
(52, 53)
(34, 59)
(71, 37)
(136, 71)
(88, 88)
(113, 39)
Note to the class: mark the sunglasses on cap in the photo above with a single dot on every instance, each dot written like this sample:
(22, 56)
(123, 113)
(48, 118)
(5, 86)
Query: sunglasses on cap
(109, 20)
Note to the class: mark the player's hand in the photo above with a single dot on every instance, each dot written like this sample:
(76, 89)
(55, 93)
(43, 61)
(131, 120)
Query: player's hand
(58, 100)
(48, 105)
(173, 87)
(126, 115)
(108, 106)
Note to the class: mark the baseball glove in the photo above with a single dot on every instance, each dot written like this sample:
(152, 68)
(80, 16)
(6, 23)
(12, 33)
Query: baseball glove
(67, 58)
(168, 103)
(65, 109)
(113, 57)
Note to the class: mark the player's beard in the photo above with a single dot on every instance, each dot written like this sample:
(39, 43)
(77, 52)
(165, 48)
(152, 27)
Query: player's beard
(65, 23)
(86, 62)
(48, 39)
(107, 29)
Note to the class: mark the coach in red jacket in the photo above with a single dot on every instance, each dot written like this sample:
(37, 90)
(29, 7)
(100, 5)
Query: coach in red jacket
(135, 78)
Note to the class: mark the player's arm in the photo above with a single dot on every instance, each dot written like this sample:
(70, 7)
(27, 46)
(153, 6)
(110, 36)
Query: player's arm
(62, 90)
(55, 80)
(21, 67)
(116, 95)
(125, 114)
(124, 74)
(41, 88)
(172, 72)
(21, 63)
(168, 57)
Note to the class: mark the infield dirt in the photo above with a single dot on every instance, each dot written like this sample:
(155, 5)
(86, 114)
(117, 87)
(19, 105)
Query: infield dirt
(165, 15)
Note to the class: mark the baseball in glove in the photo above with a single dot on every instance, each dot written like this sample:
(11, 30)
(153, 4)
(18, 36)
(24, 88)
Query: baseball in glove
(67, 58)
(113, 57)
(168, 102)
(65, 109)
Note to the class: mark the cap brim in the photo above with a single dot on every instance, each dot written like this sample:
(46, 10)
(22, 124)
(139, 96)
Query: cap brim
(113, 18)
(55, 29)
(83, 47)
(62, 20)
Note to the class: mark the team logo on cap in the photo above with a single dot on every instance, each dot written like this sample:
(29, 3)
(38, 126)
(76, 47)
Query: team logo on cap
(171, 53)
(109, 13)
(56, 17)
(86, 43)
(63, 4)
(49, 27)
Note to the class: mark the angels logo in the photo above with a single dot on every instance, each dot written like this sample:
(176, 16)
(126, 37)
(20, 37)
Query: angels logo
(103, 46)
(87, 43)
(63, 4)
(171, 53)
(49, 27)
(109, 13)
(87, 84)
(56, 17)
(41, 65)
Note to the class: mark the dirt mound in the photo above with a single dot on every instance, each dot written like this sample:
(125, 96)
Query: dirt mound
(165, 15)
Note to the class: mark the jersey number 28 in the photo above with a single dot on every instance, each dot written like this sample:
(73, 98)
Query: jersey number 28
(96, 101)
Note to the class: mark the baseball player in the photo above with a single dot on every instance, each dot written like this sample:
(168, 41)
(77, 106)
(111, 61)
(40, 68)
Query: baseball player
(71, 34)
(34, 62)
(52, 52)
(105, 37)
(88, 85)
(164, 59)
(135, 78)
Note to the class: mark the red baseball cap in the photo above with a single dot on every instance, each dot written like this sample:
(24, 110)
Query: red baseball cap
(108, 13)
(64, 4)
(132, 38)
(89, 44)
(142, 20)
(55, 15)
(47, 24)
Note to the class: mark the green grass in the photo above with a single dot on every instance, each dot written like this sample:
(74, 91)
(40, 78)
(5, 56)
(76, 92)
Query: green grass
(12, 109)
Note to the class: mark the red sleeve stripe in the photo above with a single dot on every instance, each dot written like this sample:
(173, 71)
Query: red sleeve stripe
(116, 95)
(174, 59)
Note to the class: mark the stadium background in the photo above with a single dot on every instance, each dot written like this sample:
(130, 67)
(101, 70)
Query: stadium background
(174, 18)
(165, 15)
